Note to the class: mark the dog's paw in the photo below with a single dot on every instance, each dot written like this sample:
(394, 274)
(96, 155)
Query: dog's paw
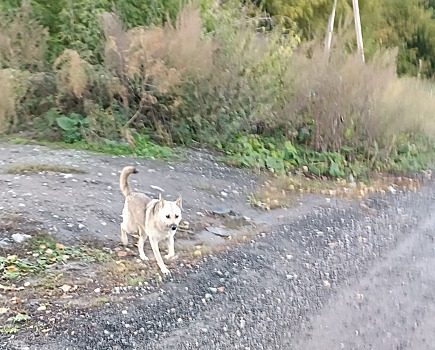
(144, 257)
(170, 257)
(165, 270)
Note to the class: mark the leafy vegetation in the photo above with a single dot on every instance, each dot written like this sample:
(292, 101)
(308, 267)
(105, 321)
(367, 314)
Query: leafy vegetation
(138, 77)
(44, 252)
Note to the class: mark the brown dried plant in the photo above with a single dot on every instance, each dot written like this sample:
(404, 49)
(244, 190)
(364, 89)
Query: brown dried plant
(7, 104)
(23, 40)
(71, 74)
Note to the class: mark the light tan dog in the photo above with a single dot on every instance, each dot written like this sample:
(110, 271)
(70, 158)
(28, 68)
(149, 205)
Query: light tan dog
(157, 219)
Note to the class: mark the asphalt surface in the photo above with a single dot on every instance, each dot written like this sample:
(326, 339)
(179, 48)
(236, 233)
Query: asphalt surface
(339, 278)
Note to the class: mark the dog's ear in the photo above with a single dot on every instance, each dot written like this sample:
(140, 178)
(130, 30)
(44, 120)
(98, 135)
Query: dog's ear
(161, 200)
(179, 202)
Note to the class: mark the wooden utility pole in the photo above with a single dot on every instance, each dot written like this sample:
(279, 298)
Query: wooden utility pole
(329, 31)
(357, 20)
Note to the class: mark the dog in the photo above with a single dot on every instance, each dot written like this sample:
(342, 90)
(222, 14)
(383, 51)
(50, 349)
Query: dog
(156, 219)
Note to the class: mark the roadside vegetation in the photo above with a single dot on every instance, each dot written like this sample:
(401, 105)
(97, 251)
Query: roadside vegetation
(251, 81)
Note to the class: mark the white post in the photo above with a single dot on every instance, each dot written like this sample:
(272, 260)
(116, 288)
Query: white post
(329, 31)
(357, 19)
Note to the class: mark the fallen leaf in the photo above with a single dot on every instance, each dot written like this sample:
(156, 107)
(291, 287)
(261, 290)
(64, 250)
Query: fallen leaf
(26, 284)
(60, 246)
(49, 251)
(11, 268)
(221, 289)
(197, 253)
(122, 253)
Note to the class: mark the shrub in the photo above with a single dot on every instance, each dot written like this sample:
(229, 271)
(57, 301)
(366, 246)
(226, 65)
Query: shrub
(23, 40)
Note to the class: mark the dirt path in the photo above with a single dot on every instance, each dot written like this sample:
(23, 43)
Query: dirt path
(327, 272)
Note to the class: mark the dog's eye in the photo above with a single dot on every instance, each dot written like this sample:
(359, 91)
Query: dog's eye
(176, 216)
(168, 216)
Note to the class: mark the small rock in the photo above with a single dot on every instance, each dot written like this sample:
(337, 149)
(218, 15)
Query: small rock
(157, 188)
(213, 290)
(124, 312)
(20, 237)
(222, 211)
(218, 231)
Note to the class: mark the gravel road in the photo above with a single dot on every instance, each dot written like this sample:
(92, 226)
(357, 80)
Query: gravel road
(337, 277)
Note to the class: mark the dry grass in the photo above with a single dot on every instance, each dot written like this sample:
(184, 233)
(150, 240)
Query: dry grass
(285, 191)
(22, 40)
(71, 72)
(157, 55)
(354, 104)
(7, 103)
(41, 167)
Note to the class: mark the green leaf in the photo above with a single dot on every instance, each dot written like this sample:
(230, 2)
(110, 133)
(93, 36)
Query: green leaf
(334, 170)
(66, 123)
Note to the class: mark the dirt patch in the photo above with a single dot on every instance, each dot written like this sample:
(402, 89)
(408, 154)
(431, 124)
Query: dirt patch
(40, 167)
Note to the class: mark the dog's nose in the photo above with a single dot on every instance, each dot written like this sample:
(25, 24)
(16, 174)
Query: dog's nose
(173, 227)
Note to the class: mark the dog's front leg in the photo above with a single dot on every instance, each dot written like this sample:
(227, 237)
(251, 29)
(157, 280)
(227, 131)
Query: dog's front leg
(140, 245)
(156, 251)
(171, 248)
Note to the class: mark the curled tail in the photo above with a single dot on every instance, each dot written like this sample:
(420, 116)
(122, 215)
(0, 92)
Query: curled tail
(123, 179)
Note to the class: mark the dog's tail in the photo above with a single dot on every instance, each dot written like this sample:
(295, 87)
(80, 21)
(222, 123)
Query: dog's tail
(123, 179)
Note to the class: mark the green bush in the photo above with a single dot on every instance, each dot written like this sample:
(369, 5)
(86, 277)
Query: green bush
(222, 75)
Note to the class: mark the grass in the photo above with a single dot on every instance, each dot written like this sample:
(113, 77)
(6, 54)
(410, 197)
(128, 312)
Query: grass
(41, 253)
(9, 329)
(143, 148)
(42, 167)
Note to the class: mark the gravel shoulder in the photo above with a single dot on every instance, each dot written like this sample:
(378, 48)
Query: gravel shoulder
(332, 274)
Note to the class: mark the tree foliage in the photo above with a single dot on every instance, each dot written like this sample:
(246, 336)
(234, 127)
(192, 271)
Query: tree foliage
(406, 24)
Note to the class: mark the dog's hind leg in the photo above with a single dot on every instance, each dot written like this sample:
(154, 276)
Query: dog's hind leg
(171, 248)
(156, 251)
(124, 237)
(140, 245)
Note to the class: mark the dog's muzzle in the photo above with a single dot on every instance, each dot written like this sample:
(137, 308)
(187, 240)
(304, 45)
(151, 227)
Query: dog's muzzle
(173, 227)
